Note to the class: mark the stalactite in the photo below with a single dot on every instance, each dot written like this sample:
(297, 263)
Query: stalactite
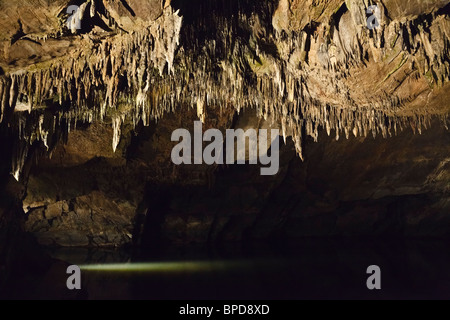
(2, 110)
(201, 110)
(220, 73)
(18, 159)
(43, 134)
(117, 131)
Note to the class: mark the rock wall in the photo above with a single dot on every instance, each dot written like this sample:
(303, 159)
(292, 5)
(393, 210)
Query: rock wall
(320, 69)
(357, 187)
(86, 117)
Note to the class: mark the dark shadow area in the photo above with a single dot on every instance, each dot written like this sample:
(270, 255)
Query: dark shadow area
(313, 268)
(157, 199)
(207, 20)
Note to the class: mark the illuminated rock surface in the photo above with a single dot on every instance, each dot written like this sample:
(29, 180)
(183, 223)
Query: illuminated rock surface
(87, 116)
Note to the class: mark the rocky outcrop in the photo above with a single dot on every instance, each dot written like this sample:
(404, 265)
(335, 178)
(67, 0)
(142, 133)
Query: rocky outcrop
(90, 220)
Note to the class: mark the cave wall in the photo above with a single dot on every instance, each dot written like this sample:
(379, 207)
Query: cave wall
(310, 69)
(86, 117)
(357, 187)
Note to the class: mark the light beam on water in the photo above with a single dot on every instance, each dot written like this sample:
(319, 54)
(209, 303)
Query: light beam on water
(176, 266)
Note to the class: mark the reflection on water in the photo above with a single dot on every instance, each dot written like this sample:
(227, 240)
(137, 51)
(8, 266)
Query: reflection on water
(311, 269)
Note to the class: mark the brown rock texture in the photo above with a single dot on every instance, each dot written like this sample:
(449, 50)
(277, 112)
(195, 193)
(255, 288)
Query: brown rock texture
(357, 187)
(86, 117)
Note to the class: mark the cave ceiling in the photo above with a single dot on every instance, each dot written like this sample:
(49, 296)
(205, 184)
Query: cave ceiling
(305, 65)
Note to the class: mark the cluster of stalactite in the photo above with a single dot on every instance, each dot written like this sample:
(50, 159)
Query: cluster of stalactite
(236, 63)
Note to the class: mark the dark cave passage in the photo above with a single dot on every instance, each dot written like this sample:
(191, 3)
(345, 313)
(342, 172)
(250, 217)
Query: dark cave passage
(87, 175)
(379, 188)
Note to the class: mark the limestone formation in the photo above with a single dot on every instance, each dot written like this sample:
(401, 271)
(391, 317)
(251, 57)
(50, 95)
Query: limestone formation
(307, 65)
